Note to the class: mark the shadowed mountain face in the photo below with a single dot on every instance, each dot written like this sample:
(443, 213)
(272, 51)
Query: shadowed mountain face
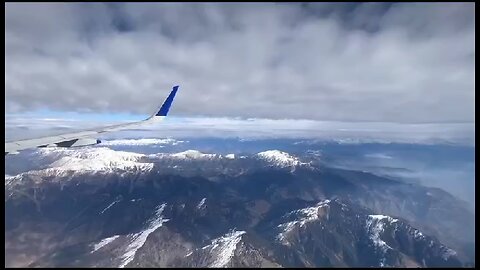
(100, 207)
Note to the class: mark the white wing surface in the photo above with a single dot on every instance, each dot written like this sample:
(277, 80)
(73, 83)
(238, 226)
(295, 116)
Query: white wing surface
(83, 138)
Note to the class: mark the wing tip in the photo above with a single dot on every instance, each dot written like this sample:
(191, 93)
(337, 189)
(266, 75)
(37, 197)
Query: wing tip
(168, 102)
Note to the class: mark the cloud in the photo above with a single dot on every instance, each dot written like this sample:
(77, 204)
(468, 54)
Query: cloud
(402, 62)
(138, 142)
(22, 126)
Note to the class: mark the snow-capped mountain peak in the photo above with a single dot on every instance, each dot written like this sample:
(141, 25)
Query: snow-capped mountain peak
(192, 154)
(375, 226)
(89, 159)
(100, 159)
(279, 158)
(89, 152)
(304, 216)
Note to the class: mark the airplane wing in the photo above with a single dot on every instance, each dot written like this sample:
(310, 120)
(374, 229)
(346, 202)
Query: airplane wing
(83, 138)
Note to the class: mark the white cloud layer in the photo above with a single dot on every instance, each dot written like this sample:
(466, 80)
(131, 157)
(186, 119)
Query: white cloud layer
(402, 62)
(256, 128)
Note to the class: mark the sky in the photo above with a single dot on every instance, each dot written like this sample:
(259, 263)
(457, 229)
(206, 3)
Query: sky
(395, 63)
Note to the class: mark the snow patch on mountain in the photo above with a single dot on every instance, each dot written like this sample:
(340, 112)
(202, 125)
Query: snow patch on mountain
(279, 158)
(103, 243)
(230, 156)
(201, 205)
(110, 205)
(286, 228)
(375, 227)
(138, 239)
(223, 248)
(382, 217)
(303, 216)
(446, 252)
(311, 213)
(418, 234)
(11, 179)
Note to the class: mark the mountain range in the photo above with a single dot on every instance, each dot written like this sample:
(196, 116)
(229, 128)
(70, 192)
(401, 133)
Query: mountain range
(96, 206)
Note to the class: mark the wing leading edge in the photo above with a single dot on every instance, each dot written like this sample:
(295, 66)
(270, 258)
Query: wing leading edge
(83, 138)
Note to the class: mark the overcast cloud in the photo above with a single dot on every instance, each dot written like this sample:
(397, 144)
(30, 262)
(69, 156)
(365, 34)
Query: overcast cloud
(402, 62)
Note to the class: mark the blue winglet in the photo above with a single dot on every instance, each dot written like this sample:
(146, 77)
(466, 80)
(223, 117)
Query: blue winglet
(168, 102)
